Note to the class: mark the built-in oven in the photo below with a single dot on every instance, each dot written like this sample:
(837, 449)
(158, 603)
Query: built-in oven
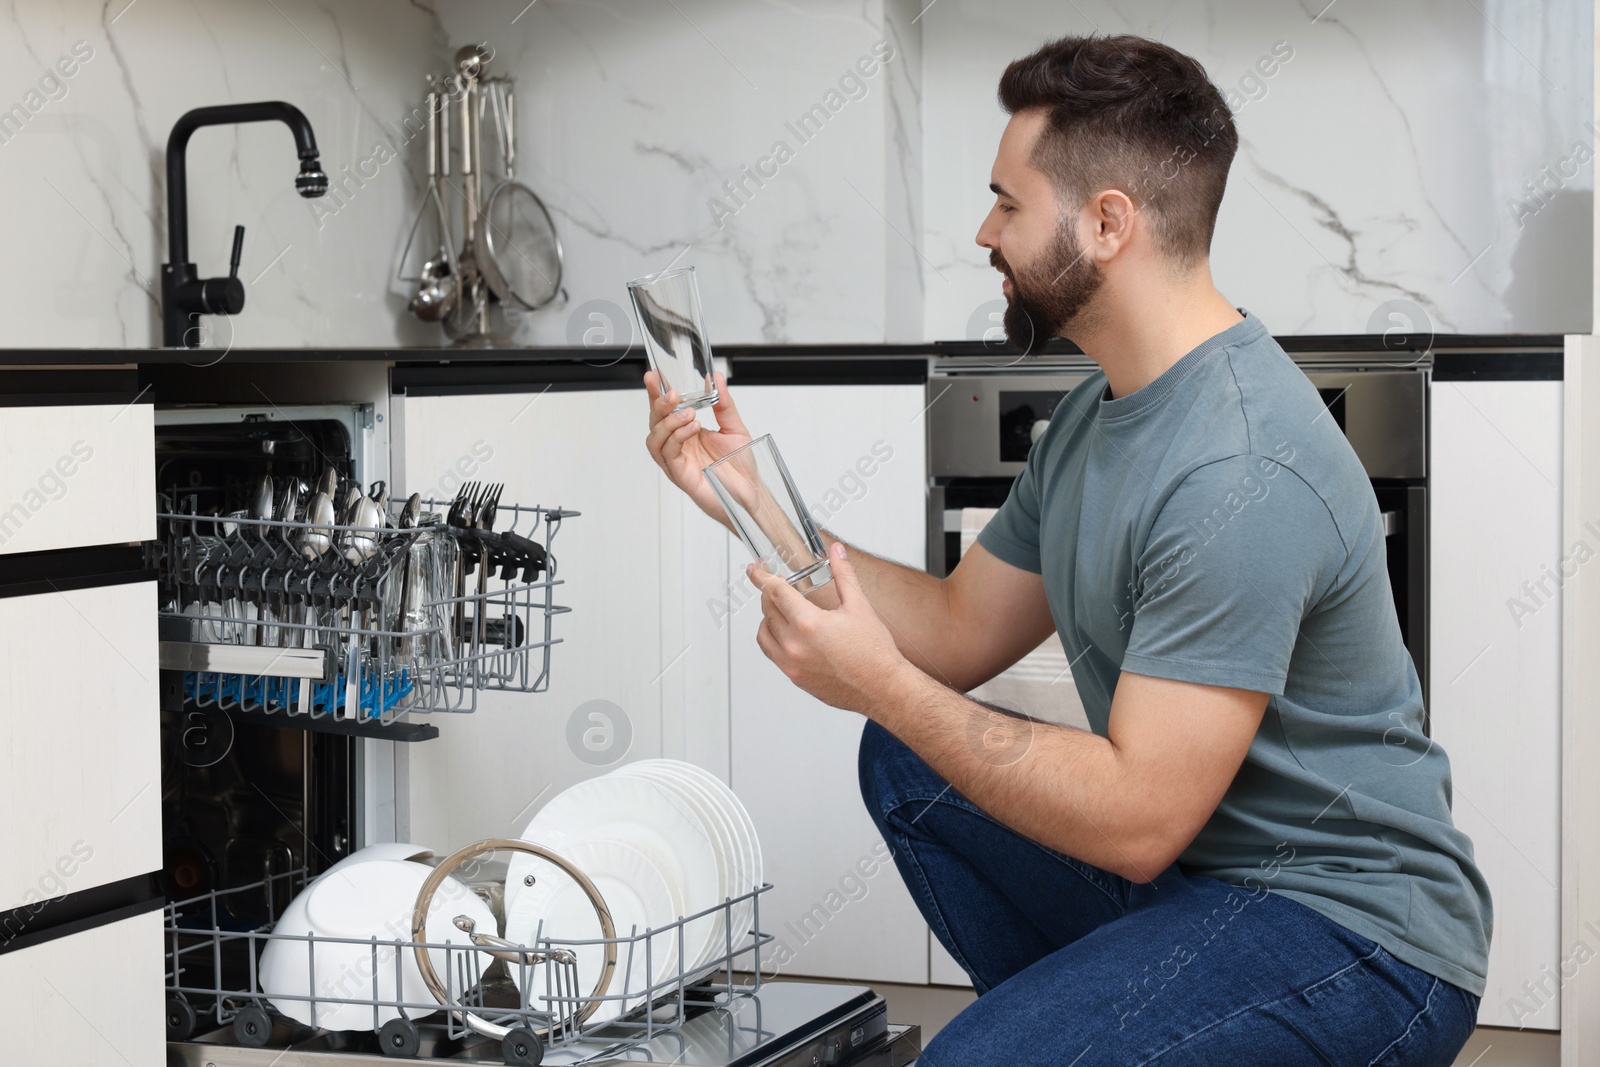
(982, 421)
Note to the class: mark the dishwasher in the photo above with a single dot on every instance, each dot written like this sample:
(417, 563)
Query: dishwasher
(299, 645)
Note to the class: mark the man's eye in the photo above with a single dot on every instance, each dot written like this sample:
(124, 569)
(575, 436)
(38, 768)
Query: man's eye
(1006, 208)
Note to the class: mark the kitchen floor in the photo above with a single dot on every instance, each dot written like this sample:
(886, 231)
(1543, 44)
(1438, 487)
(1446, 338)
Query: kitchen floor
(933, 1006)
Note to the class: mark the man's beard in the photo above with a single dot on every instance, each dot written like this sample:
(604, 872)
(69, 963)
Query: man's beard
(1046, 296)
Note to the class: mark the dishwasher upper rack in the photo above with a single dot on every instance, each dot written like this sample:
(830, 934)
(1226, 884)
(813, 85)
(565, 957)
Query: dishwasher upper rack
(418, 625)
(204, 932)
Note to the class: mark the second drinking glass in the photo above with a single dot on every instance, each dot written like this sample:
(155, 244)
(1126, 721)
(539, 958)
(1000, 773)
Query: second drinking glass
(768, 514)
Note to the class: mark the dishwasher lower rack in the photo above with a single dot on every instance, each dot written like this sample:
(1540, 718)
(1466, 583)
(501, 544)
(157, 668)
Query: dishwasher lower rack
(214, 943)
(350, 622)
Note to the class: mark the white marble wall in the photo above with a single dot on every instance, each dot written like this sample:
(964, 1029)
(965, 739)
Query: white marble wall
(1381, 163)
(85, 227)
(633, 116)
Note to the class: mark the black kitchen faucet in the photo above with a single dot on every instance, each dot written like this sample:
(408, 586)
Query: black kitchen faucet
(184, 295)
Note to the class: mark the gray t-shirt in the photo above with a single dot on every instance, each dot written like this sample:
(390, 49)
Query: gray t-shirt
(1216, 527)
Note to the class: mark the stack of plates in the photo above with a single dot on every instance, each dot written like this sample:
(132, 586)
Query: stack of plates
(660, 839)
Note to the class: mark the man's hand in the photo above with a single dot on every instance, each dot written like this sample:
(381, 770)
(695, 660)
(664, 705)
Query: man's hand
(683, 448)
(845, 657)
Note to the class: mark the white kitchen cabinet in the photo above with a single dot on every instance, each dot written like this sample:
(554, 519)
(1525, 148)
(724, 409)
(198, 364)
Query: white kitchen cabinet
(942, 967)
(90, 999)
(1497, 566)
(80, 764)
(794, 759)
(76, 475)
(488, 772)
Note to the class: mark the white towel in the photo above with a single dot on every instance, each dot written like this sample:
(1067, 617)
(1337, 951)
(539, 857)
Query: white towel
(1040, 683)
(973, 520)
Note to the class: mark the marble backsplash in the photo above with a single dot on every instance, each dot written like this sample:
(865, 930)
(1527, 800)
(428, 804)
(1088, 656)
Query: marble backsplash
(84, 164)
(824, 164)
(772, 145)
(1419, 165)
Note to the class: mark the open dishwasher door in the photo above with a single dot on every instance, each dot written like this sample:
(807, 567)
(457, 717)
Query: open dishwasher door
(783, 1024)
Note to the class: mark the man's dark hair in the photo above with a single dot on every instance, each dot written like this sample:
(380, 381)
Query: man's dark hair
(1131, 114)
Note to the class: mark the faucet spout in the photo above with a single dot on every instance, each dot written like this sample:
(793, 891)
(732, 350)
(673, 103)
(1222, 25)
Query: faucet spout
(183, 295)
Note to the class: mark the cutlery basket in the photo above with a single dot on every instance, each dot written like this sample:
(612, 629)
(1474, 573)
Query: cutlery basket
(214, 943)
(382, 621)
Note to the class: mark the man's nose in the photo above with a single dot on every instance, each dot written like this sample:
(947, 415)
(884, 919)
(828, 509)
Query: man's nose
(987, 237)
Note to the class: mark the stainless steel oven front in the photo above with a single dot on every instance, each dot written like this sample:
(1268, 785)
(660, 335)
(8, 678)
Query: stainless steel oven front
(981, 423)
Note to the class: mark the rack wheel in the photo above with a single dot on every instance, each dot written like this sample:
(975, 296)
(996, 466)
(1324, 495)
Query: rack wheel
(252, 1027)
(521, 1047)
(180, 1018)
(400, 1038)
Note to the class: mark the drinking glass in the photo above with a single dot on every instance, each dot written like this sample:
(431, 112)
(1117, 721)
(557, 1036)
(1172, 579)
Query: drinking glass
(668, 306)
(760, 497)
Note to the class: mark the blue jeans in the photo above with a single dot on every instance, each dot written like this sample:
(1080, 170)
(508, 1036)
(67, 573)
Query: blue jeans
(1077, 967)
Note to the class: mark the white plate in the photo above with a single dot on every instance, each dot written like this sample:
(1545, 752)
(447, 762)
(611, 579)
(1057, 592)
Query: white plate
(720, 834)
(741, 819)
(372, 899)
(646, 815)
(637, 894)
(745, 831)
(730, 857)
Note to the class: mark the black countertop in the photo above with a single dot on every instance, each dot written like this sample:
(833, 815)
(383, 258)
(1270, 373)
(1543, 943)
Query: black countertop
(1350, 344)
(203, 375)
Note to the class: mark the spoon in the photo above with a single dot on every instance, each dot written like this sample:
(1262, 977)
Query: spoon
(379, 492)
(361, 544)
(412, 512)
(318, 537)
(262, 504)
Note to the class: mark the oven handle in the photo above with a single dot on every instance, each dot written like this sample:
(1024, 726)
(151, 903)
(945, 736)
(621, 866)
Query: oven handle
(1394, 523)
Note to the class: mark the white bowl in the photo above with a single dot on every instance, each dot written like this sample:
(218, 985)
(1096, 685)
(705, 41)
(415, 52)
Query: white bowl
(383, 850)
(370, 899)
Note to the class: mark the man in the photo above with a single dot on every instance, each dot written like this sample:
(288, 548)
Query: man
(1250, 859)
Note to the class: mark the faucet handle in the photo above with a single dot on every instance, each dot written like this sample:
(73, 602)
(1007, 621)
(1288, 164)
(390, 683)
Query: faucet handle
(222, 296)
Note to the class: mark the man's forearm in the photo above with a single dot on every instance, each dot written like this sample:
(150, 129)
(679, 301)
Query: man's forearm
(1065, 788)
(911, 602)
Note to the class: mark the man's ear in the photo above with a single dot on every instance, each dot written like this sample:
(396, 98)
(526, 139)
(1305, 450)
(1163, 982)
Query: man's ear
(1114, 214)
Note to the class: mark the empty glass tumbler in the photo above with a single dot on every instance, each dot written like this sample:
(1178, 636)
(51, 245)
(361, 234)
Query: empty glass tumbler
(668, 306)
(761, 500)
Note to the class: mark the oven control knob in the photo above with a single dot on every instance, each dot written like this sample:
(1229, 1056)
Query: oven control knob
(1039, 427)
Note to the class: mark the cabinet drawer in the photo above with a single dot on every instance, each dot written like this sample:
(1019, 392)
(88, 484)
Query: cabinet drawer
(80, 766)
(90, 999)
(76, 475)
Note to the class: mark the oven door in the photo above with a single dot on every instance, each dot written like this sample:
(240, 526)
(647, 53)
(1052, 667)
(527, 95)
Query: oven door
(981, 426)
(1040, 684)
